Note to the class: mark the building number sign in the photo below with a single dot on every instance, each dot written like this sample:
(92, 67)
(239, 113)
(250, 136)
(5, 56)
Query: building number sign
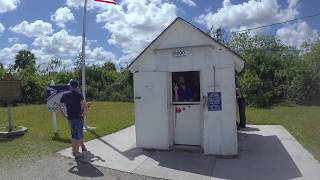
(179, 53)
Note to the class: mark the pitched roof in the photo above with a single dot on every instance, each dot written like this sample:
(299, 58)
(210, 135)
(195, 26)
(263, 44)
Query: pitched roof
(172, 23)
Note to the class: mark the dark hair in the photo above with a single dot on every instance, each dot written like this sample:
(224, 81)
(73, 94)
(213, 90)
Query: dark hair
(73, 83)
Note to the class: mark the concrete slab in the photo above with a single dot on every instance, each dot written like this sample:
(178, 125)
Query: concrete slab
(115, 151)
(177, 165)
(265, 152)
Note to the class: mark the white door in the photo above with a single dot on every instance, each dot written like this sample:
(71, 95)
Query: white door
(151, 109)
(187, 124)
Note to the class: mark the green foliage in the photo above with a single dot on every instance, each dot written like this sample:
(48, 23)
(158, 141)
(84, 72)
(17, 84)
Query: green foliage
(275, 72)
(264, 78)
(33, 86)
(305, 84)
(109, 66)
(102, 82)
(107, 84)
(25, 59)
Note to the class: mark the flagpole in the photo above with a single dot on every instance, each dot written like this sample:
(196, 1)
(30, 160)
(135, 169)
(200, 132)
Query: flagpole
(83, 56)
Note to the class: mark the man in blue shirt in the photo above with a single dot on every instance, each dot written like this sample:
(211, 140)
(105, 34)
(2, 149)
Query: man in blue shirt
(76, 109)
(182, 92)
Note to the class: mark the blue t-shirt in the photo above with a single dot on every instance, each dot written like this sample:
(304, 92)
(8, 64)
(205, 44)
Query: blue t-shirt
(185, 95)
(72, 100)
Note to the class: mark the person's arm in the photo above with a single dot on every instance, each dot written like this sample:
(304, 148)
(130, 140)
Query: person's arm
(176, 95)
(83, 108)
(61, 107)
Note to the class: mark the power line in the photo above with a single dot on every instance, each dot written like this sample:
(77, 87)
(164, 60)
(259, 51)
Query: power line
(278, 23)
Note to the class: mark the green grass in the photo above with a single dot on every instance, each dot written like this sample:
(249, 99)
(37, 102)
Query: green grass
(303, 122)
(108, 117)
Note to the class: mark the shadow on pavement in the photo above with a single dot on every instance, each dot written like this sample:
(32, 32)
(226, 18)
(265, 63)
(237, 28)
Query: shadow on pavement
(89, 157)
(84, 168)
(261, 157)
(130, 154)
(249, 129)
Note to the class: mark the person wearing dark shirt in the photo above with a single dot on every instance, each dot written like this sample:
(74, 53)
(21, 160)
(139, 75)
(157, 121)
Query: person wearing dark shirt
(76, 109)
(242, 109)
(182, 92)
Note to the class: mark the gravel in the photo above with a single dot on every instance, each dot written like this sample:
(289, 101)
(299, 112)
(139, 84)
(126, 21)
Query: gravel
(56, 167)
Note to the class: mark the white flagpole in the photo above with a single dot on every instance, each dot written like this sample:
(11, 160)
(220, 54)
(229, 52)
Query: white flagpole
(83, 56)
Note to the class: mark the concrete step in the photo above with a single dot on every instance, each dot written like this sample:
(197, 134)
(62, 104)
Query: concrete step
(188, 148)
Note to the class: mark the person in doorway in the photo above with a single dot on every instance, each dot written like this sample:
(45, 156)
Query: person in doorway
(76, 108)
(182, 92)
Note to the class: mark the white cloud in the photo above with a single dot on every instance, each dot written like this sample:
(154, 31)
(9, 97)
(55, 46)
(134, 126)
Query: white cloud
(296, 34)
(61, 42)
(34, 29)
(67, 47)
(135, 23)
(13, 39)
(91, 4)
(99, 56)
(189, 2)
(8, 5)
(249, 14)
(62, 15)
(2, 28)
(7, 55)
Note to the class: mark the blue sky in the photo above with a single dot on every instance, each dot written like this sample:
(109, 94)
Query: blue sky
(118, 33)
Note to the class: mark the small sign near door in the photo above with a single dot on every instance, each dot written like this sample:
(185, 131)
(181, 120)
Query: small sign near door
(214, 101)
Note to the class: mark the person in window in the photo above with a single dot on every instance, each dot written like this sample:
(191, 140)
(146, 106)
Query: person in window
(182, 92)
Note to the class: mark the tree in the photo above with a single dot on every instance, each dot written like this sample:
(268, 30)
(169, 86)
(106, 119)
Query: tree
(264, 80)
(25, 60)
(109, 66)
(218, 34)
(1, 66)
(304, 85)
(53, 65)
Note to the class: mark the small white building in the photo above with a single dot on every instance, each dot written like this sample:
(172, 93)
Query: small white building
(184, 92)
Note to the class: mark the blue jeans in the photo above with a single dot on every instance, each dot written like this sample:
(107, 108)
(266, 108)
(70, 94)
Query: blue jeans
(76, 128)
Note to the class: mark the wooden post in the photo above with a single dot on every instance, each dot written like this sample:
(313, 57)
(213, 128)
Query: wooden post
(10, 126)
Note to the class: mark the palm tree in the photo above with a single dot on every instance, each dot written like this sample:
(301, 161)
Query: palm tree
(24, 59)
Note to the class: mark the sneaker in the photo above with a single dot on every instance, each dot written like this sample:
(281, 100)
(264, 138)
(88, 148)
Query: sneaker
(84, 149)
(78, 157)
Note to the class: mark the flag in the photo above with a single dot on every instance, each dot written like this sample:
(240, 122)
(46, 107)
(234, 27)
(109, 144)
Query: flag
(107, 1)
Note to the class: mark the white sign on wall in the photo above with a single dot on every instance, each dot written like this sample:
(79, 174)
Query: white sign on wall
(179, 53)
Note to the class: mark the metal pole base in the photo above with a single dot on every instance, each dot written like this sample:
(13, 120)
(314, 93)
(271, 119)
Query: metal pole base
(85, 128)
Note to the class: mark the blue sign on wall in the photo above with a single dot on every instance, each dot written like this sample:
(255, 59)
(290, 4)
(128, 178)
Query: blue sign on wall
(214, 101)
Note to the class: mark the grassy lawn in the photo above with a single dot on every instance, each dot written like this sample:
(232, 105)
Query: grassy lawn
(108, 117)
(303, 122)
